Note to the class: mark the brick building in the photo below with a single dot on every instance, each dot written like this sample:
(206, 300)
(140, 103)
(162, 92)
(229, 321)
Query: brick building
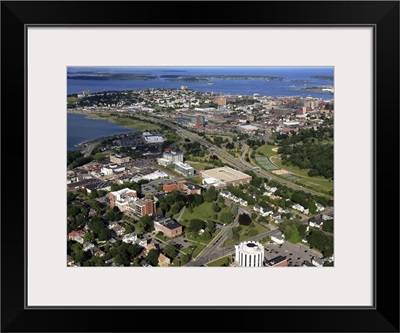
(168, 227)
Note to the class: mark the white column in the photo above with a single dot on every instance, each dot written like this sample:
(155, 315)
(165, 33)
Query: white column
(237, 253)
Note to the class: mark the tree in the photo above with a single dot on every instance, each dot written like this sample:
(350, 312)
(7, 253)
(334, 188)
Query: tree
(328, 226)
(170, 251)
(152, 257)
(185, 259)
(226, 217)
(302, 230)
(210, 195)
(104, 234)
(215, 207)
(195, 225)
(145, 223)
(244, 219)
(198, 199)
(96, 224)
(128, 228)
(70, 196)
(111, 215)
(210, 225)
(234, 208)
(88, 237)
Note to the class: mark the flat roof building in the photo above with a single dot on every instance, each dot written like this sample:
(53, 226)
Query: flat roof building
(278, 261)
(184, 169)
(225, 175)
(168, 227)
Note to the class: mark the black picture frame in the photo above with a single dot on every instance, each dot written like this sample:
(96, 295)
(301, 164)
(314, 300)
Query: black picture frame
(383, 16)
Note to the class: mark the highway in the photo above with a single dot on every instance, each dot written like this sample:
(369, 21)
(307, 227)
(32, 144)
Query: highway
(214, 249)
(238, 164)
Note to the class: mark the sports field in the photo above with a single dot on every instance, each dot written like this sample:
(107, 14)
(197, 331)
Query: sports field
(265, 163)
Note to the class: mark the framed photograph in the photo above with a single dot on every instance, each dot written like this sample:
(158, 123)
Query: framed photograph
(200, 156)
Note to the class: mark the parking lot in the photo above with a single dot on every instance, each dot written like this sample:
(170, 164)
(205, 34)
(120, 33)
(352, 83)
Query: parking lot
(296, 254)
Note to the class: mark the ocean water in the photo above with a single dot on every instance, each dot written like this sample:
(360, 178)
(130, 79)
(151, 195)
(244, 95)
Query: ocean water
(80, 128)
(234, 87)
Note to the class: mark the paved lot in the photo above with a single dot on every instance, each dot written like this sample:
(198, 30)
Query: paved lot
(295, 253)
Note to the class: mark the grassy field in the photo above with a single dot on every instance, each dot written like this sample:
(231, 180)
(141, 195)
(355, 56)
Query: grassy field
(243, 234)
(219, 262)
(203, 212)
(198, 165)
(266, 150)
(134, 124)
(72, 100)
(197, 250)
(315, 183)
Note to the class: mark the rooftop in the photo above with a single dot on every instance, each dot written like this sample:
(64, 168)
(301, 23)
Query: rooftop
(225, 173)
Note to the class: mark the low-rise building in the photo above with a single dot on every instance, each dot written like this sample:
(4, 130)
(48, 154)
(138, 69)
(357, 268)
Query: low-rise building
(225, 175)
(119, 158)
(168, 227)
(184, 169)
(122, 198)
(278, 239)
(278, 261)
(163, 261)
(76, 235)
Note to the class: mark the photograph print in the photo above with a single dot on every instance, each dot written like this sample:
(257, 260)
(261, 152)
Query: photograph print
(200, 166)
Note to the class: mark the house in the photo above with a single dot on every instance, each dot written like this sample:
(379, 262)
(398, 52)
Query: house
(118, 229)
(70, 261)
(148, 248)
(76, 235)
(307, 264)
(298, 207)
(278, 239)
(87, 246)
(316, 222)
(276, 218)
(97, 252)
(129, 238)
(320, 208)
(317, 262)
(163, 261)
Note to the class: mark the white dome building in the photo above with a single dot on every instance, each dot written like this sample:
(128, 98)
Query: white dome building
(249, 254)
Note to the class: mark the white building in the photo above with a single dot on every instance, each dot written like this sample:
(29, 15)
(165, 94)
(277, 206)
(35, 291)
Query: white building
(107, 171)
(184, 169)
(298, 207)
(173, 156)
(277, 239)
(249, 254)
(164, 162)
(150, 138)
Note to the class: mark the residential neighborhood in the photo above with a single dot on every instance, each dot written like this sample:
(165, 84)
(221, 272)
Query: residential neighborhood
(202, 179)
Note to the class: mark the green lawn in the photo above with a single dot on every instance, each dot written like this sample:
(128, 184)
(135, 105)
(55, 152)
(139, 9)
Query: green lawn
(197, 250)
(198, 165)
(134, 124)
(203, 212)
(195, 180)
(316, 183)
(72, 100)
(243, 234)
(219, 262)
(266, 150)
